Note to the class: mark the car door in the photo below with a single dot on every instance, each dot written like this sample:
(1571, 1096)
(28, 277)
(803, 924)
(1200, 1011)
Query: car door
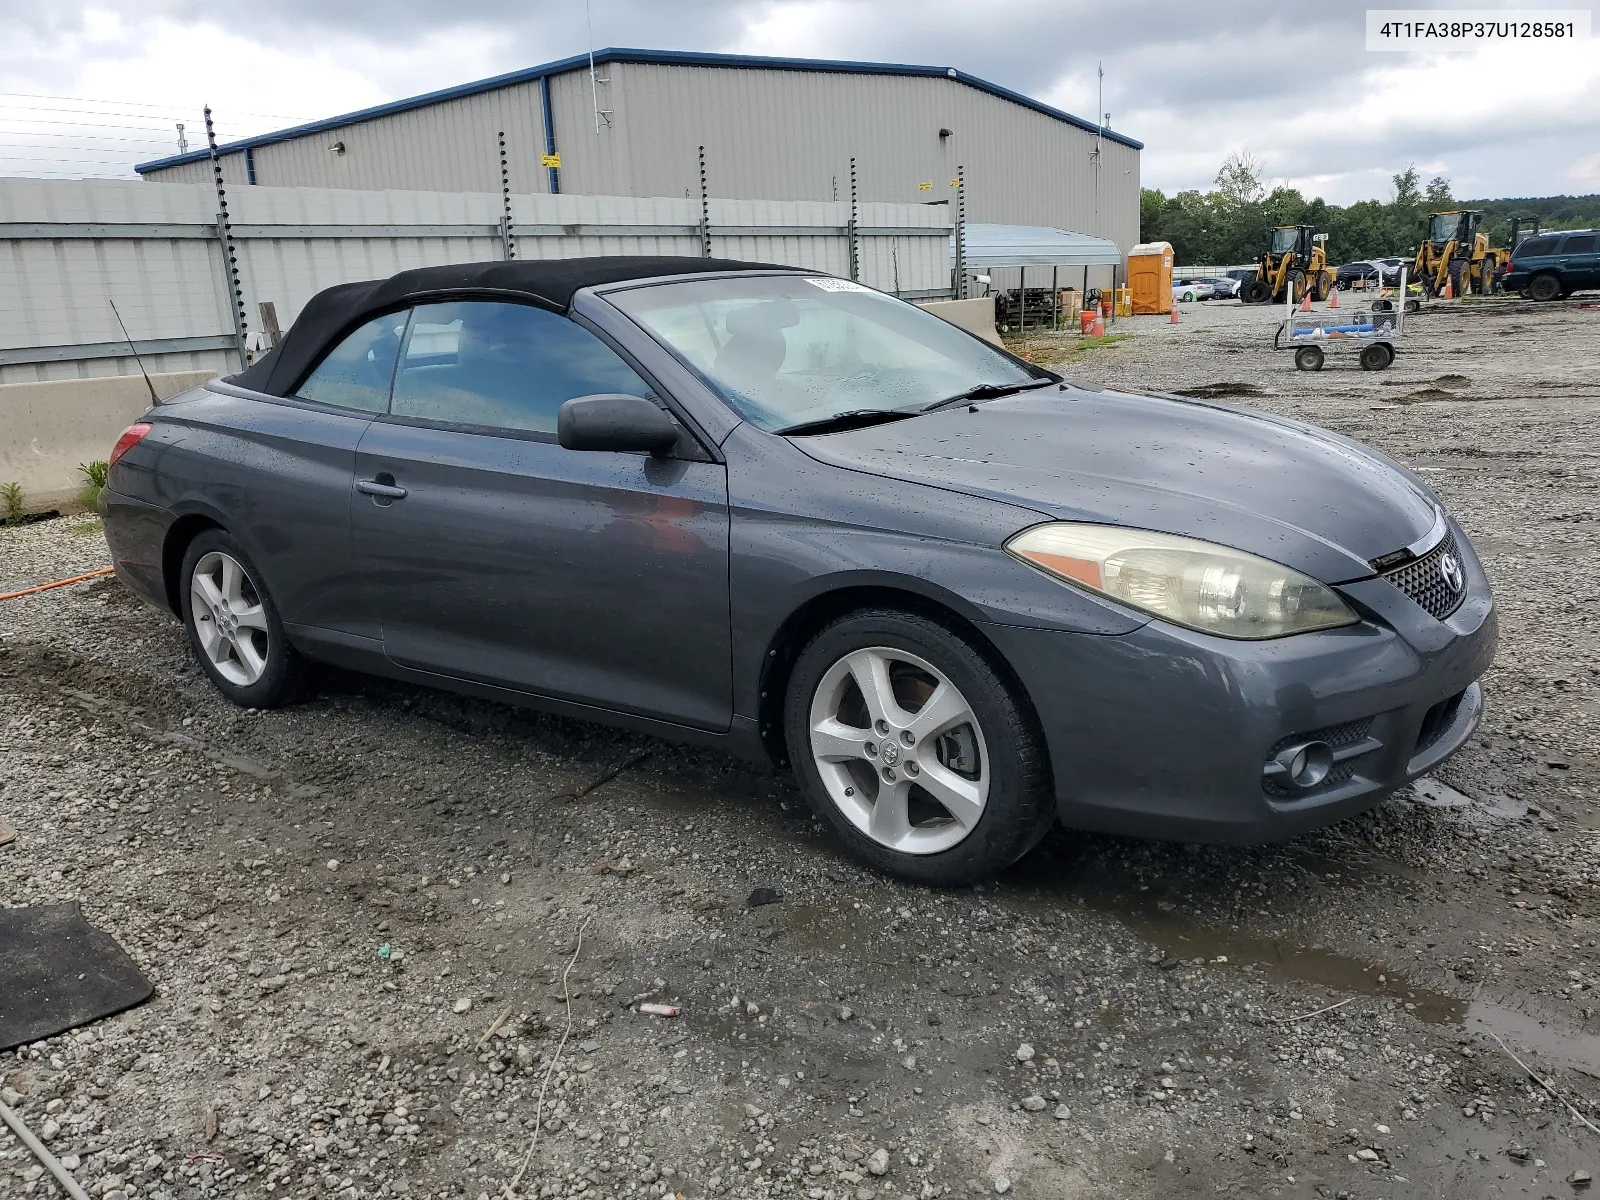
(495, 555)
(1580, 262)
(283, 478)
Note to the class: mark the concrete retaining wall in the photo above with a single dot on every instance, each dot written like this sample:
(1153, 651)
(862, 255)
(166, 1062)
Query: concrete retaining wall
(48, 429)
(976, 316)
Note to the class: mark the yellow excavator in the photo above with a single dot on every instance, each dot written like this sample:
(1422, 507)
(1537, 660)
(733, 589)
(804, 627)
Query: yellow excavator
(1296, 262)
(1456, 250)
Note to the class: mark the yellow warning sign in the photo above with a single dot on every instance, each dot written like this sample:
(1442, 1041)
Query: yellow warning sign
(925, 186)
(955, 183)
(550, 160)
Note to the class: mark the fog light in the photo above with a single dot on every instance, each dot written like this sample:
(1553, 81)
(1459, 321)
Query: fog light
(1305, 765)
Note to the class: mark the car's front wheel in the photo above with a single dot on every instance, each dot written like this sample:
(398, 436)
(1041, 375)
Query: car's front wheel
(233, 625)
(915, 749)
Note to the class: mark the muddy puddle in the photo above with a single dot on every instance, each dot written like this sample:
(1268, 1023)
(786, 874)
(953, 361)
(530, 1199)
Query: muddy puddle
(1181, 935)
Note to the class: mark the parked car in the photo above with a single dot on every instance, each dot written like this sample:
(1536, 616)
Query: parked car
(1549, 266)
(781, 513)
(1191, 288)
(1242, 274)
(1391, 269)
(1222, 287)
(1348, 274)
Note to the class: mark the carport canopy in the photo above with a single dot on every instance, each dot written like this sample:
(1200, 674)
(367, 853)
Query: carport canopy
(1033, 246)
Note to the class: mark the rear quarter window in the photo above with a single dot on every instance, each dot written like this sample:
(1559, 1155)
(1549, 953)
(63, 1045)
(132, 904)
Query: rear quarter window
(1535, 245)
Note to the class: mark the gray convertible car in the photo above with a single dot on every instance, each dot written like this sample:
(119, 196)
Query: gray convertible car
(775, 511)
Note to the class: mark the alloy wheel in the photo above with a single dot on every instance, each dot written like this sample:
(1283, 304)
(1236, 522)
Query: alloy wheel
(229, 619)
(899, 750)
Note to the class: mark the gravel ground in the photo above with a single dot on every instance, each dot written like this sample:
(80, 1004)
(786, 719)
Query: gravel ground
(385, 923)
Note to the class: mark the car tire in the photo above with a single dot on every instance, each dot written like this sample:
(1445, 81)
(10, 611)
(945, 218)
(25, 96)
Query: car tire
(1545, 288)
(1308, 358)
(233, 625)
(988, 797)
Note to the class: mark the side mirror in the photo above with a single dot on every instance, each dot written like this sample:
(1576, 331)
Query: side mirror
(612, 421)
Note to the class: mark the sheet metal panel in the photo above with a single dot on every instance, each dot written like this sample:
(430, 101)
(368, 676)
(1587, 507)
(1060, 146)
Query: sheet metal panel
(55, 290)
(768, 132)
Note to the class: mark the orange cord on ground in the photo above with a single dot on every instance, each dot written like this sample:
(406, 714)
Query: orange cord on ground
(45, 587)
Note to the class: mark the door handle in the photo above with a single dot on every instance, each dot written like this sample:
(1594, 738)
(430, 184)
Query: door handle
(386, 491)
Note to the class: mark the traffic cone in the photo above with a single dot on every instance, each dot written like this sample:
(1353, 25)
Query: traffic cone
(1333, 298)
(1098, 329)
(1173, 319)
(1449, 292)
(1305, 302)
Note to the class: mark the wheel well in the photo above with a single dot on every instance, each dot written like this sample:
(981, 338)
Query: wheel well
(183, 531)
(806, 621)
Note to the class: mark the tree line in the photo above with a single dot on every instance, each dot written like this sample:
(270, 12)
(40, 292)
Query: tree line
(1232, 222)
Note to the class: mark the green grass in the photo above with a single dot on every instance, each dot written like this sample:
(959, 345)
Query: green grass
(94, 480)
(11, 510)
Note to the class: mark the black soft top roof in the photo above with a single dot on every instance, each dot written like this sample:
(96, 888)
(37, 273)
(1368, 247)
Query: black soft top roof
(332, 313)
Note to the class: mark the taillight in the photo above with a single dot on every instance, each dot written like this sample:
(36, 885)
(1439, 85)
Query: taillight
(130, 435)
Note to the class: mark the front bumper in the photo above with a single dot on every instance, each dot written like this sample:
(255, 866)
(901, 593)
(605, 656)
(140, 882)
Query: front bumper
(1164, 732)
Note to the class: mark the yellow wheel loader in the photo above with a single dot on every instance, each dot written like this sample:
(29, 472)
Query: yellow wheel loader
(1296, 262)
(1456, 251)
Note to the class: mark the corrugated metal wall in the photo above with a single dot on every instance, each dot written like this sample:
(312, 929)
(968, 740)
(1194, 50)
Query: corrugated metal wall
(69, 247)
(768, 133)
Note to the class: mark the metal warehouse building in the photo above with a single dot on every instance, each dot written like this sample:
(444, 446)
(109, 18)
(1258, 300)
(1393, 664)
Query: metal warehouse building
(772, 129)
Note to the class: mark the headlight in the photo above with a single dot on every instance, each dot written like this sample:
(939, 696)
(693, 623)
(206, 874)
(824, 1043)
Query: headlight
(1188, 582)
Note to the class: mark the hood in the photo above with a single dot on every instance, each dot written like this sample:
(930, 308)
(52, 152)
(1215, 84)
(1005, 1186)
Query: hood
(1292, 493)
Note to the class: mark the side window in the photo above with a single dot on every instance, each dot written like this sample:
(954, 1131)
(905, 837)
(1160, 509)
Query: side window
(1535, 245)
(356, 373)
(1583, 244)
(503, 366)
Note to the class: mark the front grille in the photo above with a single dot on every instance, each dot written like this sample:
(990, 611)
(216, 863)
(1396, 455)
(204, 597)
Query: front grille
(1424, 581)
(1337, 736)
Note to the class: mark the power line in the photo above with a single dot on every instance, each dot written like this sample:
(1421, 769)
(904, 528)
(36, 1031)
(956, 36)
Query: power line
(162, 108)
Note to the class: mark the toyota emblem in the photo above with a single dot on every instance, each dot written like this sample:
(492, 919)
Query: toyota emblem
(1450, 568)
(890, 753)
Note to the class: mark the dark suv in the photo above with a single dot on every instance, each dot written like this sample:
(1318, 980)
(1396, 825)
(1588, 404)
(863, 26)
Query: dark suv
(1549, 266)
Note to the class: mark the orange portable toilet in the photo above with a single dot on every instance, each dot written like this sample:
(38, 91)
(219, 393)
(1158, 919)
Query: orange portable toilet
(1150, 277)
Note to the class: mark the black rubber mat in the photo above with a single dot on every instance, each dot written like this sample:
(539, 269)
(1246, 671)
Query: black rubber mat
(58, 972)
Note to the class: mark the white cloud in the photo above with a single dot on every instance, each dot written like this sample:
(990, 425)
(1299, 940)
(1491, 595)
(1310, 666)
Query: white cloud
(1193, 82)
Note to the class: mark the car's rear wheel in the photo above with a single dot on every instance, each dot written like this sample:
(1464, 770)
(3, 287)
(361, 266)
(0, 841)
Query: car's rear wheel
(233, 625)
(1545, 288)
(915, 750)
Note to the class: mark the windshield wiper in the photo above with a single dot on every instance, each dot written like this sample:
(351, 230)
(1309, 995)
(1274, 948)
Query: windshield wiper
(855, 418)
(988, 391)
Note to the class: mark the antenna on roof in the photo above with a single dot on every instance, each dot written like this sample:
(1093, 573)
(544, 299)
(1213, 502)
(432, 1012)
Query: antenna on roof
(1099, 135)
(602, 116)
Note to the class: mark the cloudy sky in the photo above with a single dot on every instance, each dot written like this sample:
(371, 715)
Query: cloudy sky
(90, 88)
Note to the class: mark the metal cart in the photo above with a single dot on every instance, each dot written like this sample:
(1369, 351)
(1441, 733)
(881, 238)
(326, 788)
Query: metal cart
(1372, 330)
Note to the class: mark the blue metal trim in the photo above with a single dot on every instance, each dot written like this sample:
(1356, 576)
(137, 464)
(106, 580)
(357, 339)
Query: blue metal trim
(549, 132)
(682, 58)
(249, 164)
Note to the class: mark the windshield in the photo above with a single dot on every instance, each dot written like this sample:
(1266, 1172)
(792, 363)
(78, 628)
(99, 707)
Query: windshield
(1444, 226)
(1284, 240)
(789, 350)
